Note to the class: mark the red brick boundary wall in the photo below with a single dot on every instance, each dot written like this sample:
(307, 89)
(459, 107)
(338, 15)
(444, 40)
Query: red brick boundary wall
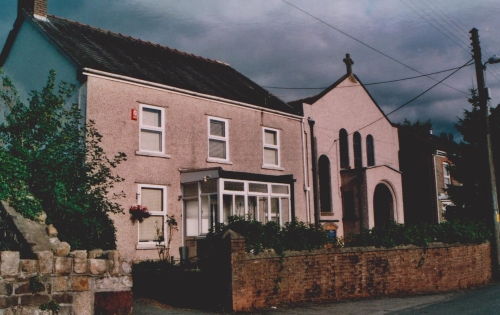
(328, 275)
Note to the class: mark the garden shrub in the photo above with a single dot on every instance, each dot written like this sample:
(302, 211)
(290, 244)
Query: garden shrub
(295, 235)
(394, 234)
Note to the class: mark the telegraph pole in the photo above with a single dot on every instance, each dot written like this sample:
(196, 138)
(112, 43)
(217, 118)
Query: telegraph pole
(483, 107)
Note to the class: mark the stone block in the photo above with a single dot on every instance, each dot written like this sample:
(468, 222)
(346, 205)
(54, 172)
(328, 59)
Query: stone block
(51, 231)
(80, 283)
(119, 302)
(65, 310)
(23, 288)
(95, 253)
(29, 266)
(98, 266)
(127, 281)
(34, 300)
(63, 265)
(6, 288)
(45, 262)
(60, 284)
(79, 261)
(107, 283)
(9, 301)
(64, 298)
(114, 255)
(114, 267)
(61, 250)
(10, 263)
(82, 304)
(126, 266)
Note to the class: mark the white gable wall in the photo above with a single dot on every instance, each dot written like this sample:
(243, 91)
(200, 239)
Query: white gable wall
(350, 107)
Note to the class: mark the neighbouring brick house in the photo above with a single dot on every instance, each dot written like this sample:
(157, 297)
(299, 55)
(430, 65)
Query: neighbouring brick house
(426, 171)
(205, 142)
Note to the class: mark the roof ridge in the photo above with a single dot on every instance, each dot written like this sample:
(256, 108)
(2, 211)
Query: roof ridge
(140, 40)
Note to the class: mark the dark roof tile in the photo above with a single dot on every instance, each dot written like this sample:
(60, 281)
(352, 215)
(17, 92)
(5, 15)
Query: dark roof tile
(91, 47)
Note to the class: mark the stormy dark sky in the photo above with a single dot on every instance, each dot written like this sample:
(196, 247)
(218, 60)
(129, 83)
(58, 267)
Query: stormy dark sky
(277, 45)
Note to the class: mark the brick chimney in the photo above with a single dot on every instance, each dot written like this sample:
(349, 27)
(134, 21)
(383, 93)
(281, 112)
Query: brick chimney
(35, 8)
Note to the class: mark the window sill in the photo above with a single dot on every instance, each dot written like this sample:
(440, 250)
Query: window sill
(160, 155)
(147, 246)
(273, 167)
(212, 160)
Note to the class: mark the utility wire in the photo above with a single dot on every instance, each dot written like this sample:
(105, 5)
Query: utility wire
(413, 99)
(454, 28)
(463, 30)
(364, 44)
(426, 20)
(385, 115)
(375, 83)
(493, 71)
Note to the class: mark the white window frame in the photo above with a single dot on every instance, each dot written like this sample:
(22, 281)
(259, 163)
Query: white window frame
(246, 194)
(272, 147)
(446, 173)
(160, 129)
(152, 244)
(225, 139)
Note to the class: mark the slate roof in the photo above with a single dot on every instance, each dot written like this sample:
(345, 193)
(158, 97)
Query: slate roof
(90, 47)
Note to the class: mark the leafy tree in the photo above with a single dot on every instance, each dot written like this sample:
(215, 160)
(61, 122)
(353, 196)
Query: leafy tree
(418, 127)
(471, 167)
(51, 160)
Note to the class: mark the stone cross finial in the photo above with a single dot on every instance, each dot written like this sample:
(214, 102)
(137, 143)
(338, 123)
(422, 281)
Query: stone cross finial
(348, 62)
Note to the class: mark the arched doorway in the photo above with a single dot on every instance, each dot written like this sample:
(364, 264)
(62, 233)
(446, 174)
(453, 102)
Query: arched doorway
(383, 204)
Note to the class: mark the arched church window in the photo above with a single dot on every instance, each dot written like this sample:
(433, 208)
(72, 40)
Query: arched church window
(370, 151)
(344, 149)
(358, 160)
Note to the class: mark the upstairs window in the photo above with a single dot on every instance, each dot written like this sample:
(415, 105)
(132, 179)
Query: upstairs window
(271, 147)
(446, 174)
(356, 144)
(344, 149)
(152, 129)
(218, 139)
(370, 151)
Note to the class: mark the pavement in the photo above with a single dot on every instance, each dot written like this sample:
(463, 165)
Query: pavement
(482, 300)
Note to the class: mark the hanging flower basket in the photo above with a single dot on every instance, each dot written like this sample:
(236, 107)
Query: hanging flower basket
(138, 213)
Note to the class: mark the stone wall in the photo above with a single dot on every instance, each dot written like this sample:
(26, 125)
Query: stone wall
(327, 275)
(96, 282)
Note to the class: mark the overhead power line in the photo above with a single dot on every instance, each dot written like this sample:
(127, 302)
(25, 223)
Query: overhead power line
(364, 44)
(419, 95)
(374, 83)
(431, 24)
(410, 101)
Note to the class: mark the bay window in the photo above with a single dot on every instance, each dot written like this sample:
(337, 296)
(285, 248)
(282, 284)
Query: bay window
(259, 201)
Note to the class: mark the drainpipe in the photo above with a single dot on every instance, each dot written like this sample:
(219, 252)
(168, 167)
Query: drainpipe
(314, 171)
(306, 179)
(434, 173)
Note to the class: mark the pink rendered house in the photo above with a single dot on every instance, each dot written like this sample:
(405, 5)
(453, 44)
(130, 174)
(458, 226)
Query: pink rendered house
(205, 142)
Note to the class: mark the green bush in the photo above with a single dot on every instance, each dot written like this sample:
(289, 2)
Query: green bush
(393, 234)
(51, 161)
(295, 235)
